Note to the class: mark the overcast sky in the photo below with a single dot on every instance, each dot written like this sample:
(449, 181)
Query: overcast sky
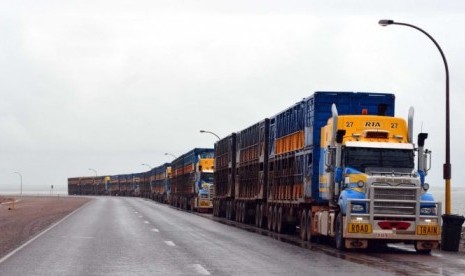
(112, 84)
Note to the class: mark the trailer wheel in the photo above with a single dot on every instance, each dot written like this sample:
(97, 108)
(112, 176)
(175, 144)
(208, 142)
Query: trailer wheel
(229, 206)
(275, 218)
(192, 205)
(303, 225)
(221, 208)
(339, 239)
(257, 215)
(243, 213)
(279, 220)
(215, 208)
(228, 212)
(270, 218)
(309, 225)
(239, 212)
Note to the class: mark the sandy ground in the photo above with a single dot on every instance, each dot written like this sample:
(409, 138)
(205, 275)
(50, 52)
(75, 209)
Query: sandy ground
(30, 216)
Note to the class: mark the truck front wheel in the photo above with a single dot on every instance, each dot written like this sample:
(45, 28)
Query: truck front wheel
(339, 239)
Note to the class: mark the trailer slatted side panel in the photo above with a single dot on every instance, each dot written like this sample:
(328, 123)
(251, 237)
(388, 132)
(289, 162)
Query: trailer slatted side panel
(251, 159)
(225, 163)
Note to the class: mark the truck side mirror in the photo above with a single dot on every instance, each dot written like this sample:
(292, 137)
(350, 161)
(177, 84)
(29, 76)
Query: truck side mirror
(428, 154)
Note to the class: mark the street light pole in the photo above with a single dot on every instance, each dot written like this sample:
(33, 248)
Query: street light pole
(20, 183)
(95, 188)
(447, 169)
(212, 133)
(451, 223)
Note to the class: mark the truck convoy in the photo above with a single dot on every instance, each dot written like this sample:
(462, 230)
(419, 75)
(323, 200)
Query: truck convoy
(337, 166)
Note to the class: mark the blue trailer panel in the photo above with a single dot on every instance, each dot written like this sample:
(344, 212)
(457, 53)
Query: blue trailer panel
(294, 146)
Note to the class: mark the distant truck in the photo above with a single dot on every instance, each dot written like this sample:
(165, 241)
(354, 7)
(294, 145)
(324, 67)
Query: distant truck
(159, 181)
(336, 165)
(88, 185)
(192, 180)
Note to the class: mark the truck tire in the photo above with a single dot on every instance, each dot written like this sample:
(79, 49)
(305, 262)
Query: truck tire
(309, 225)
(243, 213)
(192, 206)
(270, 218)
(228, 211)
(275, 217)
(303, 225)
(257, 215)
(279, 220)
(339, 239)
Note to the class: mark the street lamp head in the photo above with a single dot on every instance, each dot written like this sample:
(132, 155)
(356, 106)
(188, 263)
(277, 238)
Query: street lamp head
(170, 154)
(95, 171)
(212, 133)
(144, 164)
(385, 22)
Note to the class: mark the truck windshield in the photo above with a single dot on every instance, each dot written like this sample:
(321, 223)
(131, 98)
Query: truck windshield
(362, 158)
(207, 177)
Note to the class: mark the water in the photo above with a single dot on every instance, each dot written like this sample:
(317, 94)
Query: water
(33, 193)
(457, 198)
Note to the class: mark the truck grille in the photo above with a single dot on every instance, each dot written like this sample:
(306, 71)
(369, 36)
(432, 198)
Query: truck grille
(212, 191)
(394, 201)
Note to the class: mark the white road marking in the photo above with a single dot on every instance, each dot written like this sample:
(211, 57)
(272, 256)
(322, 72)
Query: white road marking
(39, 235)
(78, 237)
(170, 243)
(146, 222)
(200, 269)
(140, 216)
(154, 230)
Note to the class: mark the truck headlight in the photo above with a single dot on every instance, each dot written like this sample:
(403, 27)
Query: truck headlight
(425, 187)
(428, 211)
(357, 208)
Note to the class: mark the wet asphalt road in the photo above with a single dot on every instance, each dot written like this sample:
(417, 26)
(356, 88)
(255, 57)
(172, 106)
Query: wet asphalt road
(133, 236)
